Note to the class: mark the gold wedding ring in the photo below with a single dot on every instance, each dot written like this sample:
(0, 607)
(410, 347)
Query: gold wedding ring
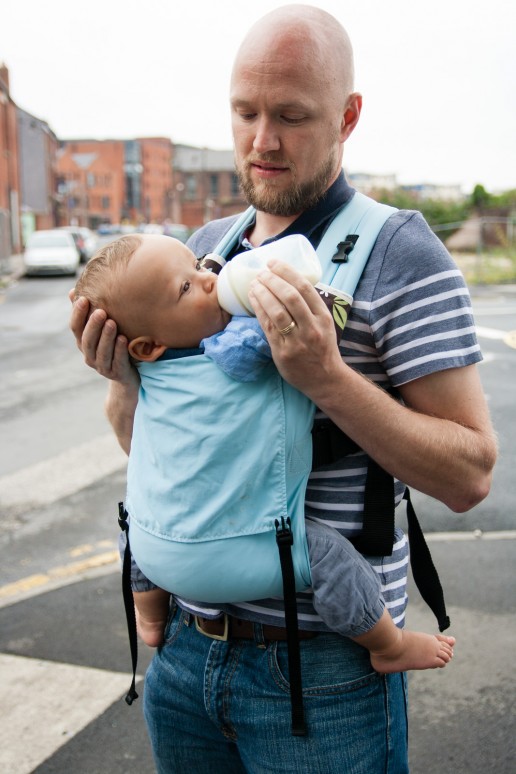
(290, 327)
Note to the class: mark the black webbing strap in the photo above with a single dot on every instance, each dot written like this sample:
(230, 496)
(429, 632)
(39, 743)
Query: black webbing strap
(330, 444)
(377, 537)
(285, 541)
(129, 602)
(423, 569)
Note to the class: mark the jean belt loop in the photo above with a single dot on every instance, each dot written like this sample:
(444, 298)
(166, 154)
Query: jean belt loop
(258, 636)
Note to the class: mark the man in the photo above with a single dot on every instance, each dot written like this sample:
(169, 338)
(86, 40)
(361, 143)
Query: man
(216, 705)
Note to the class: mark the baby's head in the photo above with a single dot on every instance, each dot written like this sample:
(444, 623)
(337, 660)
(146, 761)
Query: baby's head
(156, 291)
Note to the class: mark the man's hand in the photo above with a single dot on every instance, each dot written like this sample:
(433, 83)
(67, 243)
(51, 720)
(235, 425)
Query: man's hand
(106, 352)
(96, 337)
(306, 354)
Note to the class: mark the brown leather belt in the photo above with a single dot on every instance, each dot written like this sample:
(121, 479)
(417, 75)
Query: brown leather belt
(227, 628)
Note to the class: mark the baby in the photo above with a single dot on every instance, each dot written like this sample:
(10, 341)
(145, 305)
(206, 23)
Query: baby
(163, 299)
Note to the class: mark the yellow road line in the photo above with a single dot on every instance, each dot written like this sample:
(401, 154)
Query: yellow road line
(41, 580)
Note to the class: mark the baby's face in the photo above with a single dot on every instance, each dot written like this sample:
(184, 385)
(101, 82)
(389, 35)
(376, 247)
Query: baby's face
(173, 299)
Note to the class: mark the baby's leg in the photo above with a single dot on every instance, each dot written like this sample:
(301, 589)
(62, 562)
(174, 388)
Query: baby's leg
(348, 599)
(396, 650)
(346, 588)
(151, 615)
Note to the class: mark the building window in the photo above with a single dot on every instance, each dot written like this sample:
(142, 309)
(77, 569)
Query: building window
(214, 185)
(90, 180)
(235, 188)
(105, 202)
(191, 186)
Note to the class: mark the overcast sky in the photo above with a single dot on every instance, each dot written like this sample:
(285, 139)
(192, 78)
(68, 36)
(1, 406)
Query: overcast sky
(438, 78)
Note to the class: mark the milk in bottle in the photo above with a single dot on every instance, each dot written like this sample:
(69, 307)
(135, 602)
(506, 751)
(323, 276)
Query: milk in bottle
(236, 276)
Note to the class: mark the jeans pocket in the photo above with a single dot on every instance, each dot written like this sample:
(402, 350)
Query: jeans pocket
(174, 624)
(330, 665)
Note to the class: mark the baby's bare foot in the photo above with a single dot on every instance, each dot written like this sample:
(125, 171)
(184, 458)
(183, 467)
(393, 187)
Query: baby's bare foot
(415, 650)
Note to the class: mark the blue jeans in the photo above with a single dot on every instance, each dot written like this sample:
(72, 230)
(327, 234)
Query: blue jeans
(214, 706)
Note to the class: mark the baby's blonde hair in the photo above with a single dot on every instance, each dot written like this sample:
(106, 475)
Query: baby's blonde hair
(99, 281)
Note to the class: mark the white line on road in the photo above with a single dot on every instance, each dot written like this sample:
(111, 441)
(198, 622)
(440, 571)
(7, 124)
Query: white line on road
(66, 473)
(33, 690)
(508, 337)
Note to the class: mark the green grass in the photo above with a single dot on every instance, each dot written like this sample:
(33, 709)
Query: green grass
(496, 267)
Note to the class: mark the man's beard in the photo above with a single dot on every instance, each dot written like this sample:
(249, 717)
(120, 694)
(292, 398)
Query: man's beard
(300, 196)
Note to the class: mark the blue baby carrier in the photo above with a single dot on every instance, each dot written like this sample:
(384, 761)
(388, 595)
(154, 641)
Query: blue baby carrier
(244, 522)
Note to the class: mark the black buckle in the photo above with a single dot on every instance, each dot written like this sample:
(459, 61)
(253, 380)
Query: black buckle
(284, 534)
(122, 518)
(344, 248)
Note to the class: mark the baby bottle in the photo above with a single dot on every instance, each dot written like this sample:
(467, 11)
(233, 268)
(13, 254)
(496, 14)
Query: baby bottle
(236, 276)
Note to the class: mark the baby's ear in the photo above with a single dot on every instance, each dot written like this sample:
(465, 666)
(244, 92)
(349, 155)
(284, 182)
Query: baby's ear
(145, 348)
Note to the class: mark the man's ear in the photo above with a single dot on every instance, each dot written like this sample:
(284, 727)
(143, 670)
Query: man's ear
(145, 348)
(351, 115)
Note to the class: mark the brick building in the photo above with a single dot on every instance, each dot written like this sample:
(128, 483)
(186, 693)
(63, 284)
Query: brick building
(90, 182)
(37, 148)
(112, 181)
(156, 179)
(205, 185)
(10, 230)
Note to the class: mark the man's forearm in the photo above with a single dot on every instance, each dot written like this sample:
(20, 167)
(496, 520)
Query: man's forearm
(120, 406)
(437, 445)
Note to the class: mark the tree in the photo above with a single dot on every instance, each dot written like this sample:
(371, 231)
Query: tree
(480, 198)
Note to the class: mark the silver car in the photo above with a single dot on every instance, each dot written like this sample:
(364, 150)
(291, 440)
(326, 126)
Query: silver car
(51, 252)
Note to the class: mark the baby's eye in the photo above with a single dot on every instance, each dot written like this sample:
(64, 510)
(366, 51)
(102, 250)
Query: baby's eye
(186, 286)
(199, 264)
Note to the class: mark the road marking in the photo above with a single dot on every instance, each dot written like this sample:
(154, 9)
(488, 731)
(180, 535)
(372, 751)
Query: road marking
(57, 577)
(42, 709)
(50, 480)
(476, 534)
(508, 337)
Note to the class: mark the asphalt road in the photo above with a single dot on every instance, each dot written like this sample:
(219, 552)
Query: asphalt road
(64, 657)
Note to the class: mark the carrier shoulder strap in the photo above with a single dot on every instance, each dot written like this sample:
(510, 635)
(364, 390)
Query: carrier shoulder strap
(347, 242)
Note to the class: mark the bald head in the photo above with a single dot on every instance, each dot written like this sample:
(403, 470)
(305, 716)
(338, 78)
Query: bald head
(313, 40)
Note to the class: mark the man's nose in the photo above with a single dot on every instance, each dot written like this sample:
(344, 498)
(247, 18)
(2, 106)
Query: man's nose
(266, 137)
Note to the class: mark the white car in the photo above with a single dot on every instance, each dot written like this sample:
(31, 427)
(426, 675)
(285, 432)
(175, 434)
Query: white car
(51, 252)
(85, 240)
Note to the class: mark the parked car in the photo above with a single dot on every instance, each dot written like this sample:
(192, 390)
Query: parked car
(177, 230)
(75, 231)
(87, 241)
(51, 252)
(151, 228)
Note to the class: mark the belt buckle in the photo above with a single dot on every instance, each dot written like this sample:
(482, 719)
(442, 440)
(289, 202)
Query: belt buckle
(222, 637)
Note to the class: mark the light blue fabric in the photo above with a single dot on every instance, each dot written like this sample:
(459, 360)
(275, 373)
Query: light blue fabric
(250, 447)
(180, 524)
(241, 350)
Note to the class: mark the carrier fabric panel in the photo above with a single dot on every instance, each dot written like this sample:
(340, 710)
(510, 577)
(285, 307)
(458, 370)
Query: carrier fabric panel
(213, 461)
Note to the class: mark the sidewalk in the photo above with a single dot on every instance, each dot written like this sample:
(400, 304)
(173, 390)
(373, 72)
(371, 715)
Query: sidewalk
(11, 269)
